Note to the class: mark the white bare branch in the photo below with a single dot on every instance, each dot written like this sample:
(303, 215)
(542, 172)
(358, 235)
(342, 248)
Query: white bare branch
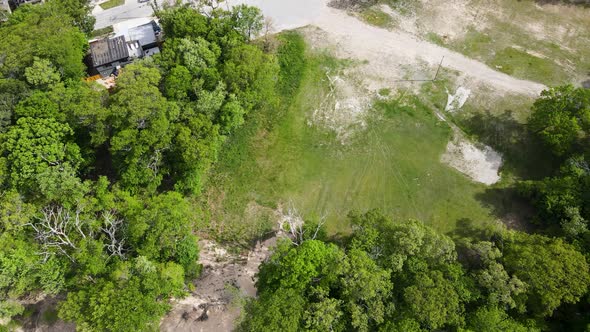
(55, 227)
(154, 161)
(111, 228)
(292, 223)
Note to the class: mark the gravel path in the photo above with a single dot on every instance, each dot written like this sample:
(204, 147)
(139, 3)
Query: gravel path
(385, 50)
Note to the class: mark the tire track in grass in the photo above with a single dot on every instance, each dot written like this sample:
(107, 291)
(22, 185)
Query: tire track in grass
(395, 170)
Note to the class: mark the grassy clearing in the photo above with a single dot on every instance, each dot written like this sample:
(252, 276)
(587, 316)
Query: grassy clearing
(548, 44)
(376, 17)
(513, 52)
(393, 166)
(111, 4)
(522, 64)
(102, 32)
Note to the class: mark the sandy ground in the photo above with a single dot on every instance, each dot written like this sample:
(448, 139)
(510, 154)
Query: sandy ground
(480, 163)
(343, 110)
(385, 51)
(211, 307)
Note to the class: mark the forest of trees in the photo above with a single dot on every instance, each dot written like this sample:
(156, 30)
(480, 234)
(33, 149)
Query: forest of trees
(404, 276)
(97, 187)
(96, 184)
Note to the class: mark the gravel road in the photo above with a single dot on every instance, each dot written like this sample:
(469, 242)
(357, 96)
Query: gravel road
(385, 50)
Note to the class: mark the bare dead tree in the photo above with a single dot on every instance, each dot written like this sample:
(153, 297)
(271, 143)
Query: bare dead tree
(112, 229)
(293, 224)
(55, 228)
(267, 30)
(154, 161)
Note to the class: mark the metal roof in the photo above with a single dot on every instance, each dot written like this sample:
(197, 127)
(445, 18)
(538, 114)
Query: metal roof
(144, 34)
(108, 50)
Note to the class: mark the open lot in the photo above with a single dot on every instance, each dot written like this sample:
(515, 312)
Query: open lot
(340, 146)
(543, 42)
(390, 162)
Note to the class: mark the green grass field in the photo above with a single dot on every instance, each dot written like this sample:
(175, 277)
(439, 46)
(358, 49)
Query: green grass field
(392, 166)
(376, 17)
(112, 3)
(102, 32)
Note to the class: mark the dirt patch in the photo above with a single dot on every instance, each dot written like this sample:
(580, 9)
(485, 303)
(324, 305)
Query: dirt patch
(226, 277)
(481, 164)
(43, 316)
(343, 110)
(449, 18)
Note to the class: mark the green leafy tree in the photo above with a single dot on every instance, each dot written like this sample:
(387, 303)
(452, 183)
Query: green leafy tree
(183, 21)
(41, 74)
(178, 83)
(561, 117)
(140, 118)
(574, 224)
(491, 319)
(196, 144)
(297, 267)
(198, 55)
(31, 33)
(395, 243)
(563, 198)
(555, 272)
(276, 311)
(79, 11)
(497, 286)
(431, 287)
(22, 269)
(248, 20)
(39, 105)
(433, 301)
(500, 287)
(250, 75)
(134, 300)
(163, 231)
(366, 291)
(83, 107)
(325, 315)
(35, 144)
(12, 91)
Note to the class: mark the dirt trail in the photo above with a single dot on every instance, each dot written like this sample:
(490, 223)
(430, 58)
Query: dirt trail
(385, 50)
(209, 307)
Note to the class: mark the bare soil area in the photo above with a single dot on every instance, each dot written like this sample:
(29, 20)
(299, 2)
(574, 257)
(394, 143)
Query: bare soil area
(226, 277)
(387, 53)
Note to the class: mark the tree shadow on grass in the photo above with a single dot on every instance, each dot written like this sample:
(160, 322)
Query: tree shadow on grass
(524, 155)
(507, 205)
(581, 3)
(466, 228)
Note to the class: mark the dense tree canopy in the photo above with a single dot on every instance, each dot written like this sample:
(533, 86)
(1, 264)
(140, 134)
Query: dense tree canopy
(404, 276)
(94, 181)
(554, 271)
(561, 117)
